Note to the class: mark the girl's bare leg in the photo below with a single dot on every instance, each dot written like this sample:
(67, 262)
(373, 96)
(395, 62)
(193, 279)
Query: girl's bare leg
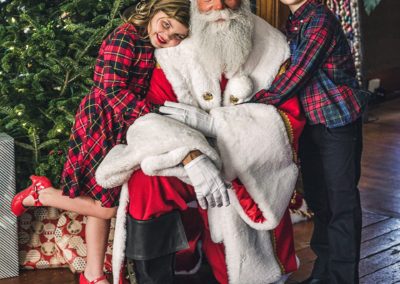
(97, 231)
(97, 226)
(83, 205)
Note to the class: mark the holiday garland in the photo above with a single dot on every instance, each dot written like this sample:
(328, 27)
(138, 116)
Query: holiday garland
(348, 14)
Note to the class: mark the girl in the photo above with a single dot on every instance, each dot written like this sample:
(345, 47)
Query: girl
(121, 79)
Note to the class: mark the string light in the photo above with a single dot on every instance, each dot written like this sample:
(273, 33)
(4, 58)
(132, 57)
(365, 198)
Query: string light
(64, 15)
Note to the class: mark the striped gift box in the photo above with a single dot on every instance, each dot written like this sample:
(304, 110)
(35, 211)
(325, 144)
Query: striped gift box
(8, 222)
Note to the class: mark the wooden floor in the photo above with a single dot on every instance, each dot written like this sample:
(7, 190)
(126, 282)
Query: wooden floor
(380, 195)
(380, 199)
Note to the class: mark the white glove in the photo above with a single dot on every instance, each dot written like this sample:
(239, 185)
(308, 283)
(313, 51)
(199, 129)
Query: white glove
(191, 116)
(207, 182)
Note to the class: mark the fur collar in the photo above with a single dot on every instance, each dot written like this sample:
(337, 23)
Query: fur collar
(191, 82)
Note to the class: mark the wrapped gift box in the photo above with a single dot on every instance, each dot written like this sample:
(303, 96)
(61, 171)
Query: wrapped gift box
(52, 238)
(8, 222)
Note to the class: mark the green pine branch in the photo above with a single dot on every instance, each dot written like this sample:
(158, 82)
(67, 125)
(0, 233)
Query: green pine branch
(47, 55)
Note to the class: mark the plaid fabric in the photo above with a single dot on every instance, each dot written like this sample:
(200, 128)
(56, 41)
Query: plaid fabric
(121, 78)
(322, 69)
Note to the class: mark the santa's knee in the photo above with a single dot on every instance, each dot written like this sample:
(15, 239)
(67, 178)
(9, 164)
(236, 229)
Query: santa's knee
(153, 196)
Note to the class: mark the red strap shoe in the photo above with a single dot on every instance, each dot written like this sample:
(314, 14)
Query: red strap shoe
(38, 183)
(83, 280)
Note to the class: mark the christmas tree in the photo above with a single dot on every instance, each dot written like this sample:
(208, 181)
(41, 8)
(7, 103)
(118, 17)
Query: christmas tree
(47, 56)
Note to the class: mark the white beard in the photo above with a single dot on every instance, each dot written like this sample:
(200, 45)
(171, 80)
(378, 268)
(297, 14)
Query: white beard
(223, 47)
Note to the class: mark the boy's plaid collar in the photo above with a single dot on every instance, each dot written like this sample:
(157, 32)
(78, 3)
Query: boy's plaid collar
(304, 10)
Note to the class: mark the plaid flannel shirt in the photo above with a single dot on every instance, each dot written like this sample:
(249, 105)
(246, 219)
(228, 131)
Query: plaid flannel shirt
(121, 80)
(123, 71)
(321, 71)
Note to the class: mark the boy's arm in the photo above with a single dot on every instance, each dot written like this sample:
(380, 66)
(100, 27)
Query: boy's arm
(315, 47)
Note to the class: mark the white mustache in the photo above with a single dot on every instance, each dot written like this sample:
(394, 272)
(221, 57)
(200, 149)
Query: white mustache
(214, 16)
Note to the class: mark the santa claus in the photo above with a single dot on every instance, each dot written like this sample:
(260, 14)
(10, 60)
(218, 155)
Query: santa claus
(236, 159)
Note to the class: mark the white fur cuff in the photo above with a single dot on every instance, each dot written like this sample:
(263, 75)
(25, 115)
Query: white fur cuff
(157, 144)
(255, 148)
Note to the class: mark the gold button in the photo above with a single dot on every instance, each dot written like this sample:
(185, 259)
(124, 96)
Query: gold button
(234, 100)
(207, 96)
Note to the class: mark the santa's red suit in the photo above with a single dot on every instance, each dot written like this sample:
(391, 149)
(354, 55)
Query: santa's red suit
(250, 241)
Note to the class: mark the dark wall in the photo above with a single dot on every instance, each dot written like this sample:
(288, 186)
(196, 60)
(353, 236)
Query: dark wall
(381, 43)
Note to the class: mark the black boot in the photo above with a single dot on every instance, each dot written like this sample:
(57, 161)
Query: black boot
(158, 270)
(152, 244)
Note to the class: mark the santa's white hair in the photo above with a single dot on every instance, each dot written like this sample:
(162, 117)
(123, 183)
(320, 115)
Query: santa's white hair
(224, 38)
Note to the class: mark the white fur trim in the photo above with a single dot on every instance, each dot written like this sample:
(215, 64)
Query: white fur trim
(270, 51)
(190, 81)
(240, 87)
(249, 253)
(166, 164)
(118, 256)
(261, 157)
(283, 279)
(158, 144)
(109, 176)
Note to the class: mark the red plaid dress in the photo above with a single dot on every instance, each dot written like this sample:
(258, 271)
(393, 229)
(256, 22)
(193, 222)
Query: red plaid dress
(121, 79)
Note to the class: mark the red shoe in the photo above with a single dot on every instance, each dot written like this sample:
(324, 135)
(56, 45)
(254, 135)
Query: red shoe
(38, 183)
(83, 280)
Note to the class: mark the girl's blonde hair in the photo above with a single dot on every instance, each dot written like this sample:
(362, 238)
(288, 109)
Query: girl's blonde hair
(141, 14)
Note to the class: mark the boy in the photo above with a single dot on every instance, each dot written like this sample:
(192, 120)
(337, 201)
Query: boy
(322, 74)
